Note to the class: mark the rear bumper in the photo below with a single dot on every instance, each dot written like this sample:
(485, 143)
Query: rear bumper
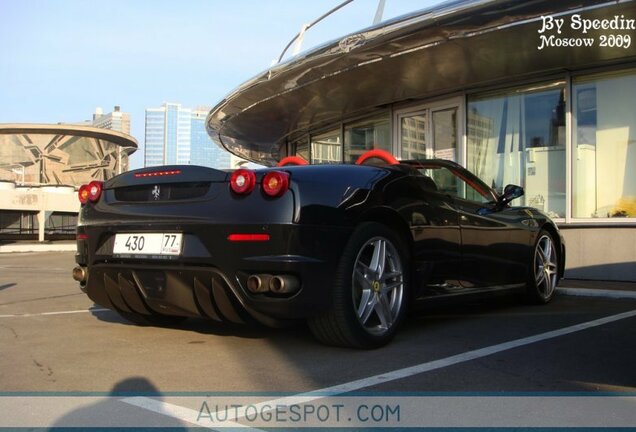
(209, 279)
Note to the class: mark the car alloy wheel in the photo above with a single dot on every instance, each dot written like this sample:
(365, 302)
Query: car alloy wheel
(370, 293)
(545, 267)
(378, 286)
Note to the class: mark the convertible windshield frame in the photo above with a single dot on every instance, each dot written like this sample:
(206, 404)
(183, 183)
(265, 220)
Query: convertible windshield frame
(488, 193)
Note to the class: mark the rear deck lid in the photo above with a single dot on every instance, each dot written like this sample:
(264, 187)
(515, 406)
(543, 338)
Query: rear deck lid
(164, 183)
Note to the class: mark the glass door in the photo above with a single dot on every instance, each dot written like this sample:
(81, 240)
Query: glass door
(429, 131)
(445, 126)
(414, 135)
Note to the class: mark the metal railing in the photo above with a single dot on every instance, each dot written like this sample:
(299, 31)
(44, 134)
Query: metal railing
(301, 34)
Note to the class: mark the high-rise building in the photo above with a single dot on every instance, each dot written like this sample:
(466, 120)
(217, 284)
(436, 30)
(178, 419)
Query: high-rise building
(203, 151)
(168, 138)
(177, 135)
(116, 120)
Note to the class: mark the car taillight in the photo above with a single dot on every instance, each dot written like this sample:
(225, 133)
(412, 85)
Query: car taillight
(94, 190)
(83, 194)
(243, 181)
(90, 192)
(275, 183)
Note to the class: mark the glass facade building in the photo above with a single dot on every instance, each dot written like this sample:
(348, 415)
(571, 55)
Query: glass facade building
(203, 151)
(167, 135)
(531, 135)
(177, 135)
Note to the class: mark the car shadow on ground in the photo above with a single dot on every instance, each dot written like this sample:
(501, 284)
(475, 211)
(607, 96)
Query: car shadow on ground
(419, 321)
(211, 327)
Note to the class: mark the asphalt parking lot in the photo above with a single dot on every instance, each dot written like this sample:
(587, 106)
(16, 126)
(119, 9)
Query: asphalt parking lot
(54, 339)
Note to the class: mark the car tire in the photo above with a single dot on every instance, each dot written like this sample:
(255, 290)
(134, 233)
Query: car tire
(151, 320)
(370, 291)
(544, 270)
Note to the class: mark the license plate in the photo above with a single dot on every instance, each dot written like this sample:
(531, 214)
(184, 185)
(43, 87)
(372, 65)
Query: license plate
(148, 244)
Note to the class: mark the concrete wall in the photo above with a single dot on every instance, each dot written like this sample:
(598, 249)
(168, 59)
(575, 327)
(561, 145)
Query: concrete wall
(601, 253)
(47, 198)
(44, 200)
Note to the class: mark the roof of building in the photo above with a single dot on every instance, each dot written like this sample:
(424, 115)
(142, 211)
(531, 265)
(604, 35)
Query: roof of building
(115, 137)
(454, 47)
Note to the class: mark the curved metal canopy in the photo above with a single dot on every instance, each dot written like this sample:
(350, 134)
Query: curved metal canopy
(458, 46)
(116, 137)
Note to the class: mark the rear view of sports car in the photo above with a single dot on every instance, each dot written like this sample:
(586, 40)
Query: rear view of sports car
(347, 248)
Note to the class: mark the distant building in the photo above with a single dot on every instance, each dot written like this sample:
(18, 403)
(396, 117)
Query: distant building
(203, 151)
(167, 135)
(41, 167)
(177, 135)
(116, 120)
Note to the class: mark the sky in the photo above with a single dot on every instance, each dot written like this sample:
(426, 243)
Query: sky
(60, 59)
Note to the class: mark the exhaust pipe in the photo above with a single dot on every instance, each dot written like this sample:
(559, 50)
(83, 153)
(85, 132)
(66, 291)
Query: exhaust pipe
(259, 283)
(80, 274)
(284, 284)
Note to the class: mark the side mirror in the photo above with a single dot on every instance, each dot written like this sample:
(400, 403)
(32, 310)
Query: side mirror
(510, 193)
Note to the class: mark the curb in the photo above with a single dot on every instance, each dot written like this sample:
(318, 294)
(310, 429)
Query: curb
(17, 248)
(589, 292)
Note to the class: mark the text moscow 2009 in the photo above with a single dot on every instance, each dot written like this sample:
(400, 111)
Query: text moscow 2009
(616, 32)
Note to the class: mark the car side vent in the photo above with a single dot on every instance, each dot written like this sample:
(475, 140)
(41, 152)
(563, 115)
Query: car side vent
(162, 192)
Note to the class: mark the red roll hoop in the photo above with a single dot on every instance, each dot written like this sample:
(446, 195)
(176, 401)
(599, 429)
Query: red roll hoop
(292, 160)
(377, 154)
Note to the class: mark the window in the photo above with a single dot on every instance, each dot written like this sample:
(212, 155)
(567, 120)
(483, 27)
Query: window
(518, 137)
(18, 222)
(413, 130)
(604, 146)
(366, 135)
(302, 149)
(61, 223)
(445, 133)
(326, 148)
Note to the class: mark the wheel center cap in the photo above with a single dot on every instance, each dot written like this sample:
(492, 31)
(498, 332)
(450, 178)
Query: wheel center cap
(375, 286)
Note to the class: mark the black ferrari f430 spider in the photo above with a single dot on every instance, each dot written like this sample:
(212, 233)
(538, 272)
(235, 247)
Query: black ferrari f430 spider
(346, 247)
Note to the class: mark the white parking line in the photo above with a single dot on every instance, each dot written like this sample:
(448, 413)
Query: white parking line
(588, 292)
(190, 416)
(53, 313)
